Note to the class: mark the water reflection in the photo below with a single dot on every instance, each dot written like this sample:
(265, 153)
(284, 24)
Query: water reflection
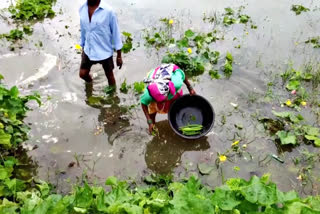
(164, 152)
(112, 115)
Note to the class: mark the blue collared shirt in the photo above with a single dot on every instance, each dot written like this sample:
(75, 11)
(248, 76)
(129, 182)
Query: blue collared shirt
(101, 36)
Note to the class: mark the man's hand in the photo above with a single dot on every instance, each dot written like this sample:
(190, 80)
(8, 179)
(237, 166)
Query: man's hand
(119, 62)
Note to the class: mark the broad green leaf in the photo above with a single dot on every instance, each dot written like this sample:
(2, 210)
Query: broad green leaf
(225, 198)
(5, 139)
(1, 77)
(287, 138)
(112, 181)
(293, 85)
(8, 207)
(43, 188)
(258, 192)
(313, 131)
(205, 169)
(14, 91)
(189, 33)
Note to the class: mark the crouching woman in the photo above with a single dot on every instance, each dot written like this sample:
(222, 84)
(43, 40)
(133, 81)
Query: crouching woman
(164, 85)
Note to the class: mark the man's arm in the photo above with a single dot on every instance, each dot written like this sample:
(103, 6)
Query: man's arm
(116, 38)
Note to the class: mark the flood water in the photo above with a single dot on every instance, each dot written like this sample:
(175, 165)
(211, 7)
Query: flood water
(105, 141)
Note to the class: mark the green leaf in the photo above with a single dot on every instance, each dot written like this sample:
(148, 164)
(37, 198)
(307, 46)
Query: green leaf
(1, 77)
(313, 131)
(229, 57)
(189, 33)
(293, 85)
(14, 92)
(139, 87)
(287, 138)
(83, 196)
(258, 192)
(225, 198)
(44, 188)
(112, 181)
(5, 139)
(205, 169)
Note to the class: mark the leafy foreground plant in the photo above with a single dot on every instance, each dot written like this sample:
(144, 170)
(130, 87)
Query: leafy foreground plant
(12, 112)
(237, 196)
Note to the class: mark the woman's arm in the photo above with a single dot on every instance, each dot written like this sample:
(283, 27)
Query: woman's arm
(190, 88)
(149, 120)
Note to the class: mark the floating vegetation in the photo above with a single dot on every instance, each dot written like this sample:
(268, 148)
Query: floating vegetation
(27, 10)
(127, 44)
(315, 41)
(139, 87)
(298, 9)
(228, 65)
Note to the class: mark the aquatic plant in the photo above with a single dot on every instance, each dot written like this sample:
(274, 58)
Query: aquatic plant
(298, 9)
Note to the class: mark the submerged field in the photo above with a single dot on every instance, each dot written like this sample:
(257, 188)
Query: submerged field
(257, 64)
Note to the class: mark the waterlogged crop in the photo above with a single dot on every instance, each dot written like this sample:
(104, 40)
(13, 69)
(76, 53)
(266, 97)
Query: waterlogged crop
(27, 10)
(289, 129)
(231, 17)
(236, 196)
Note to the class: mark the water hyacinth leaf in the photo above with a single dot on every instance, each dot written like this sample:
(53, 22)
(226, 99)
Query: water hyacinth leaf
(287, 138)
(205, 169)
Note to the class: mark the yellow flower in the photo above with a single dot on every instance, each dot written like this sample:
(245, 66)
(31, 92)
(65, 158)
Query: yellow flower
(244, 146)
(222, 158)
(288, 103)
(296, 43)
(78, 47)
(247, 33)
(189, 50)
(170, 22)
(303, 103)
(235, 143)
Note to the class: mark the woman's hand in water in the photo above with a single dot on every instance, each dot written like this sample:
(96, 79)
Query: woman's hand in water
(151, 128)
(192, 92)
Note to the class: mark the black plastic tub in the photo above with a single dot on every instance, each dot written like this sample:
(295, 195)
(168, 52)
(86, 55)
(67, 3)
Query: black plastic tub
(191, 110)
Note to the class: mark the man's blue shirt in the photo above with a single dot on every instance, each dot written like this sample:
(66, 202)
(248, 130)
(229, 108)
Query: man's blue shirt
(101, 36)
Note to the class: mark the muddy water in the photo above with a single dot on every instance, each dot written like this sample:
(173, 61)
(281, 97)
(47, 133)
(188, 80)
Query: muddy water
(104, 141)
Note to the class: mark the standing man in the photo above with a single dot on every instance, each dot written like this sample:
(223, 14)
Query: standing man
(100, 35)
